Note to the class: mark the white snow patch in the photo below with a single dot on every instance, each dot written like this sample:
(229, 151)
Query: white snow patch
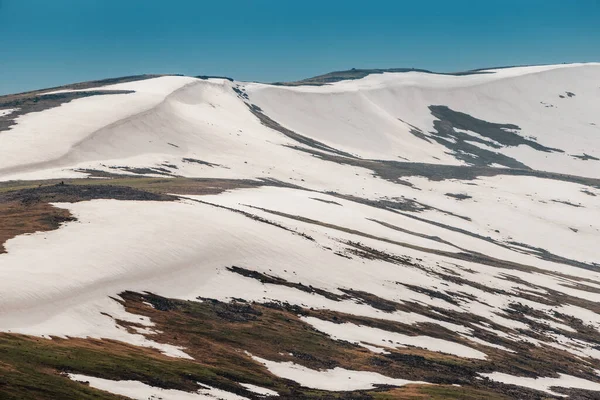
(360, 334)
(544, 384)
(141, 391)
(7, 111)
(337, 379)
(259, 390)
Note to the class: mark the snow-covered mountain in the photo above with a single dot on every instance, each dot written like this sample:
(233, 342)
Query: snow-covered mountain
(434, 234)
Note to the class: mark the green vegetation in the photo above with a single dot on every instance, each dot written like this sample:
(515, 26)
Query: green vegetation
(217, 335)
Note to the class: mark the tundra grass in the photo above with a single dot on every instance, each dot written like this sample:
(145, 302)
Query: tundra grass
(218, 336)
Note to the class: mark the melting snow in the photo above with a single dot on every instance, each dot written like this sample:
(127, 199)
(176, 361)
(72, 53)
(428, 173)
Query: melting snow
(337, 379)
(363, 334)
(141, 391)
(7, 111)
(544, 384)
(259, 390)
(60, 282)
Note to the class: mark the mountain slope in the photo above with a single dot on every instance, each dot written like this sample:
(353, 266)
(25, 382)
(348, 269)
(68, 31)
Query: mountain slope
(407, 229)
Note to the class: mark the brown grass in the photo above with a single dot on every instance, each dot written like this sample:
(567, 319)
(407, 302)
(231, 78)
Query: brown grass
(25, 208)
(217, 335)
(19, 218)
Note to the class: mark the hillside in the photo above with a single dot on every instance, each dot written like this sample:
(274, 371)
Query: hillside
(397, 234)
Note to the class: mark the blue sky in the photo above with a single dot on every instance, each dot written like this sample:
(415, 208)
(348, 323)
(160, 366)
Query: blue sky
(50, 42)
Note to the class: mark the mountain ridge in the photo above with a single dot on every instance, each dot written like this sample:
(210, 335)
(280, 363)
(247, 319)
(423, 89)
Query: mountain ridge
(399, 235)
(336, 76)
